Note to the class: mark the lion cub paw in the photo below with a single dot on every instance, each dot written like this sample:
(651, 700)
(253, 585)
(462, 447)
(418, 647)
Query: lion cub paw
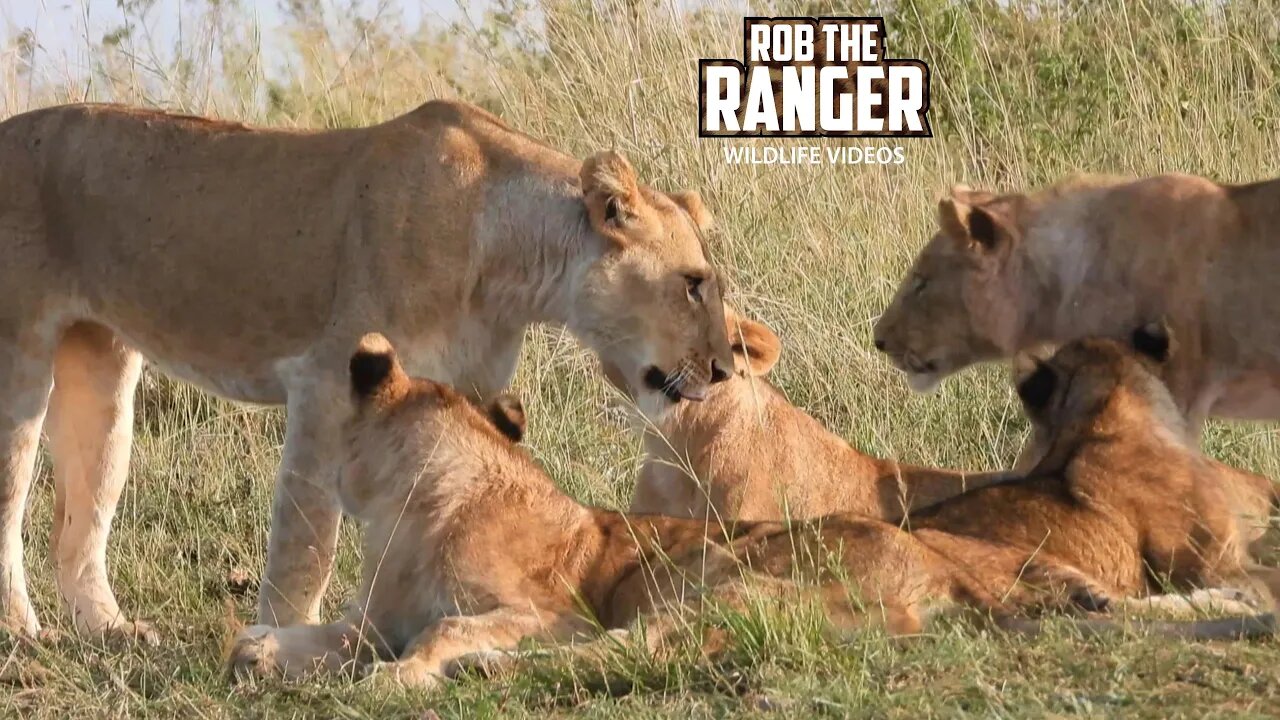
(253, 653)
(398, 674)
(491, 664)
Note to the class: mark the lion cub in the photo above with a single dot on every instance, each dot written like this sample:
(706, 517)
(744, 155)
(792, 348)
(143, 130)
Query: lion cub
(470, 547)
(746, 452)
(1119, 492)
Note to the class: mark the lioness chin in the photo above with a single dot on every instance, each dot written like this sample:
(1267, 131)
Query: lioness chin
(248, 260)
(470, 547)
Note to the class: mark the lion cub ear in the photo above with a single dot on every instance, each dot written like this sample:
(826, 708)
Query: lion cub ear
(1155, 340)
(374, 368)
(1037, 387)
(691, 202)
(755, 347)
(506, 412)
(611, 191)
(1034, 378)
(968, 195)
(1025, 362)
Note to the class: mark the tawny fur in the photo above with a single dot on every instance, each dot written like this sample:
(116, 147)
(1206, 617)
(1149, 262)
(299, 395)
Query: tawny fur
(248, 260)
(747, 453)
(1095, 256)
(471, 548)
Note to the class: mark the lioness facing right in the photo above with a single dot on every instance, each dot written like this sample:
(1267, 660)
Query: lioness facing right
(746, 452)
(470, 547)
(248, 260)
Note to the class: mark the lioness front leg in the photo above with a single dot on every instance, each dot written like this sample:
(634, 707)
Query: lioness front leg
(439, 651)
(25, 379)
(305, 513)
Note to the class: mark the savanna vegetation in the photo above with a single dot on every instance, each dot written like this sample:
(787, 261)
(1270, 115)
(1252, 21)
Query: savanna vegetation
(1023, 92)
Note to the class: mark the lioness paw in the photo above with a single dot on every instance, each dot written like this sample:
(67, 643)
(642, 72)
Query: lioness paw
(1198, 603)
(132, 633)
(253, 653)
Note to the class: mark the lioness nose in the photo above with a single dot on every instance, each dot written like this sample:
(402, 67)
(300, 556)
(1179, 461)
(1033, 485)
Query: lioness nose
(880, 344)
(718, 373)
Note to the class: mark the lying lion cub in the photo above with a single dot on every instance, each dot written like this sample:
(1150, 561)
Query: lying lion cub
(1119, 492)
(470, 547)
(746, 452)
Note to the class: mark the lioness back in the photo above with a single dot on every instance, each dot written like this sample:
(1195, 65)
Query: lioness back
(182, 230)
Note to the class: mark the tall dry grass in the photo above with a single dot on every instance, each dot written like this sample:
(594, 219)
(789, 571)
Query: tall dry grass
(1023, 92)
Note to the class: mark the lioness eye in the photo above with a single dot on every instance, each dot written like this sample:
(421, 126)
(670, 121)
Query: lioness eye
(920, 282)
(693, 284)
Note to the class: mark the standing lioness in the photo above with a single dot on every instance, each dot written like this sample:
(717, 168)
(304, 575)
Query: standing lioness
(247, 261)
(1098, 256)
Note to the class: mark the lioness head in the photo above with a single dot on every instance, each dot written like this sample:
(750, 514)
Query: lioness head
(401, 422)
(960, 303)
(650, 304)
(754, 346)
(1100, 385)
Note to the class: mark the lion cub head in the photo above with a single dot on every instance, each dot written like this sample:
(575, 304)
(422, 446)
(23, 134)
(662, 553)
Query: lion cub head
(961, 301)
(1100, 386)
(650, 304)
(401, 427)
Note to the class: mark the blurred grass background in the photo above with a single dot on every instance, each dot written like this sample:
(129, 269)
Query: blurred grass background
(1022, 93)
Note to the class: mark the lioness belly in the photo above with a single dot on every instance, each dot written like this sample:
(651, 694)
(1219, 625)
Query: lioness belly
(220, 253)
(251, 385)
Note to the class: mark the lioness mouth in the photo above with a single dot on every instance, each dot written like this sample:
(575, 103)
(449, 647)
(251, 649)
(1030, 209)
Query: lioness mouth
(674, 388)
(923, 382)
(923, 376)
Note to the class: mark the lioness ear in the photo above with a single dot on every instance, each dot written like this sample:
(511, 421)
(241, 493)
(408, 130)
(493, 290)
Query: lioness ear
(507, 414)
(374, 367)
(755, 347)
(691, 202)
(977, 227)
(1155, 340)
(610, 189)
(968, 195)
(1036, 387)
